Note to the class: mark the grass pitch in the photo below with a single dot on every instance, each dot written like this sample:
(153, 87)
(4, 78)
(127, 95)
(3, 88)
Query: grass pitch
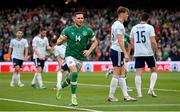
(92, 93)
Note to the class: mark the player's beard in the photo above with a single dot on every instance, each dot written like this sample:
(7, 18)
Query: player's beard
(42, 36)
(126, 19)
(79, 24)
(19, 38)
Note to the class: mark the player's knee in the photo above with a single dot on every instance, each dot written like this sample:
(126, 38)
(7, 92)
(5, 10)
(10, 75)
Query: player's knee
(17, 68)
(39, 70)
(138, 71)
(153, 69)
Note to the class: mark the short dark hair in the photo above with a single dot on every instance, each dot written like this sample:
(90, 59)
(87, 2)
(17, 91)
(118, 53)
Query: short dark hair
(144, 16)
(79, 12)
(122, 9)
(54, 40)
(42, 29)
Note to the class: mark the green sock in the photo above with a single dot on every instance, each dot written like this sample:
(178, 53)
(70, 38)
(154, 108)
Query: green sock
(67, 74)
(73, 89)
(74, 82)
(66, 83)
(74, 77)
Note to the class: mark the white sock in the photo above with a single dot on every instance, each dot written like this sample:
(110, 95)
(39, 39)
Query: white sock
(39, 79)
(73, 95)
(59, 79)
(153, 80)
(14, 77)
(138, 84)
(34, 79)
(113, 86)
(122, 83)
(18, 78)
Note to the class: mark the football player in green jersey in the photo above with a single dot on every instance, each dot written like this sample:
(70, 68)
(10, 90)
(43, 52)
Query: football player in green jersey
(77, 37)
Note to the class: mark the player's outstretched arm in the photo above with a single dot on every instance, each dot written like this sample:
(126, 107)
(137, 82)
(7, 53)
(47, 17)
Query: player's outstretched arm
(61, 39)
(50, 48)
(93, 46)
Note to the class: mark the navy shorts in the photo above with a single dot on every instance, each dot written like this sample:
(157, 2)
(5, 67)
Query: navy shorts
(117, 58)
(64, 66)
(140, 61)
(39, 63)
(17, 62)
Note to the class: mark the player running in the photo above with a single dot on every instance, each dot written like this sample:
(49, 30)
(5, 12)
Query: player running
(77, 37)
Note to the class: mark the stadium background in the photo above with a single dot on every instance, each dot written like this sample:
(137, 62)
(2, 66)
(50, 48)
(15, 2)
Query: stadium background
(27, 15)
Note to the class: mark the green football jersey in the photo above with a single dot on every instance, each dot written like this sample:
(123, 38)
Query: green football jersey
(126, 40)
(77, 39)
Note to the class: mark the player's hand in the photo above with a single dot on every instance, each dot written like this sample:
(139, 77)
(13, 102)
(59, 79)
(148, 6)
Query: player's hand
(86, 53)
(41, 58)
(9, 59)
(158, 54)
(52, 49)
(126, 57)
(64, 37)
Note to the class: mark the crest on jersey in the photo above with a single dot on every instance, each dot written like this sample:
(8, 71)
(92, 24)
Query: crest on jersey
(84, 33)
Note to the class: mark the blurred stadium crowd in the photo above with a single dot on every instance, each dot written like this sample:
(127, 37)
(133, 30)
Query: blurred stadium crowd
(166, 24)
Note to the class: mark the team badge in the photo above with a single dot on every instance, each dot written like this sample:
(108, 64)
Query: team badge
(84, 33)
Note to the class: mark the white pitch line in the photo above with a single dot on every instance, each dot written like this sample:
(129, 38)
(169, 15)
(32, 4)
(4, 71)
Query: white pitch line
(97, 85)
(135, 105)
(49, 105)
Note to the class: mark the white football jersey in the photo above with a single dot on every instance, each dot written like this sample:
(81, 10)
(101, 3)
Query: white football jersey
(60, 50)
(41, 45)
(18, 47)
(142, 45)
(116, 28)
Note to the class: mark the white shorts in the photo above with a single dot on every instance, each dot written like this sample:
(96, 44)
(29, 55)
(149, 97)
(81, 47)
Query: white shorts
(60, 51)
(70, 61)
